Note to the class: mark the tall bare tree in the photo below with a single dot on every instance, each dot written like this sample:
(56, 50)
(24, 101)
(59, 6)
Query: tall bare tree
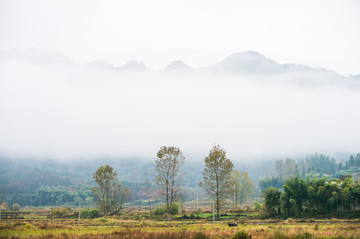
(217, 176)
(169, 166)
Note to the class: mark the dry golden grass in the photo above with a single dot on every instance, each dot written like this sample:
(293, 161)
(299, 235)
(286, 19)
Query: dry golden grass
(113, 228)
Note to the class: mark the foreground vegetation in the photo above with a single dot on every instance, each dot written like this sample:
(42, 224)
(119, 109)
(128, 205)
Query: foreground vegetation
(135, 223)
(115, 228)
(287, 212)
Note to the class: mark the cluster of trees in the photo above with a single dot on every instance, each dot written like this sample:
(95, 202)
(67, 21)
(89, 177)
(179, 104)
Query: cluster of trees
(354, 161)
(60, 195)
(316, 165)
(46, 195)
(320, 163)
(312, 196)
(220, 181)
(306, 193)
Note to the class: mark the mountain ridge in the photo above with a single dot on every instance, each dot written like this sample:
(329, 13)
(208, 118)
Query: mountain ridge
(249, 62)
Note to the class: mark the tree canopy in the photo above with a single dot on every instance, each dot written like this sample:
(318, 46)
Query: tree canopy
(243, 187)
(217, 176)
(169, 166)
(110, 194)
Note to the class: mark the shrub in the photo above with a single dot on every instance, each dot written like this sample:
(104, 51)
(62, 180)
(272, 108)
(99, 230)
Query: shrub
(60, 213)
(257, 205)
(90, 213)
(4, 206)
(103, 220)
(161, 210)
(241, 235)
(15, 207)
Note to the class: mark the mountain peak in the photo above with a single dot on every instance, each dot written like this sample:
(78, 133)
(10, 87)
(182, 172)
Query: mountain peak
(133, 65)
(248, 56)
(178, 66)
(247, 62)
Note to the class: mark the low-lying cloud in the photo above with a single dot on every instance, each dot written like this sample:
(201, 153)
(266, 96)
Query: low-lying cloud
(68, 111)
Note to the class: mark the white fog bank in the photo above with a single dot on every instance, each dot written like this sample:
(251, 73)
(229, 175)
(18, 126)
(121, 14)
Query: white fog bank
(70, 111)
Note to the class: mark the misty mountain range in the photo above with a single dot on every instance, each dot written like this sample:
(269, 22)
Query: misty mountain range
(249, 62)
(52, 107)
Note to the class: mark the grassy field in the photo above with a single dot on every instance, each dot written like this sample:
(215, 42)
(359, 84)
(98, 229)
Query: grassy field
(36, 226)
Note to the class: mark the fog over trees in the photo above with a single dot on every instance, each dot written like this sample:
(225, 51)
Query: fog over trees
(63, 120)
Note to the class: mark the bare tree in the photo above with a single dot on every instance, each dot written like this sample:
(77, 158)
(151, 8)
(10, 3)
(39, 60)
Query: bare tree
(169, 167)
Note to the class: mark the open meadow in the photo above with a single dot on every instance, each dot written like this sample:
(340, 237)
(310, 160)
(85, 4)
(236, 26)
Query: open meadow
(36, 225)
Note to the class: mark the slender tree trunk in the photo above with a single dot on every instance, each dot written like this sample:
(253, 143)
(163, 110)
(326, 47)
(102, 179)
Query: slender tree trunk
(218, 209)
(167, 204)
(150, 208)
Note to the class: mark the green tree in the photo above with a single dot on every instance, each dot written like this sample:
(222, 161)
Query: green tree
(169, 166)
(294, 196)
(119, 195)
(265, 183)
(272, 201)
(109, 193)
(217, 176)
(243, 187)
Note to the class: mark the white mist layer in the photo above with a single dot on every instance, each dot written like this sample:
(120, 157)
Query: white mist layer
(67, 112)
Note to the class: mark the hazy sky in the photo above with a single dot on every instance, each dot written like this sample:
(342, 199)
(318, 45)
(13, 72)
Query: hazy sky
(316, 33)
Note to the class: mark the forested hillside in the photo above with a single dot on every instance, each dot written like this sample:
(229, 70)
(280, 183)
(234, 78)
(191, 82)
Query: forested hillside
(49, 182)
(314, 166)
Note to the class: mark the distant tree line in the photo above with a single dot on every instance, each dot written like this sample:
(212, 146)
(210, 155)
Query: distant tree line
(316, 165)
(46, 186)
(354, 161)
(313, 196)
(52, 196)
